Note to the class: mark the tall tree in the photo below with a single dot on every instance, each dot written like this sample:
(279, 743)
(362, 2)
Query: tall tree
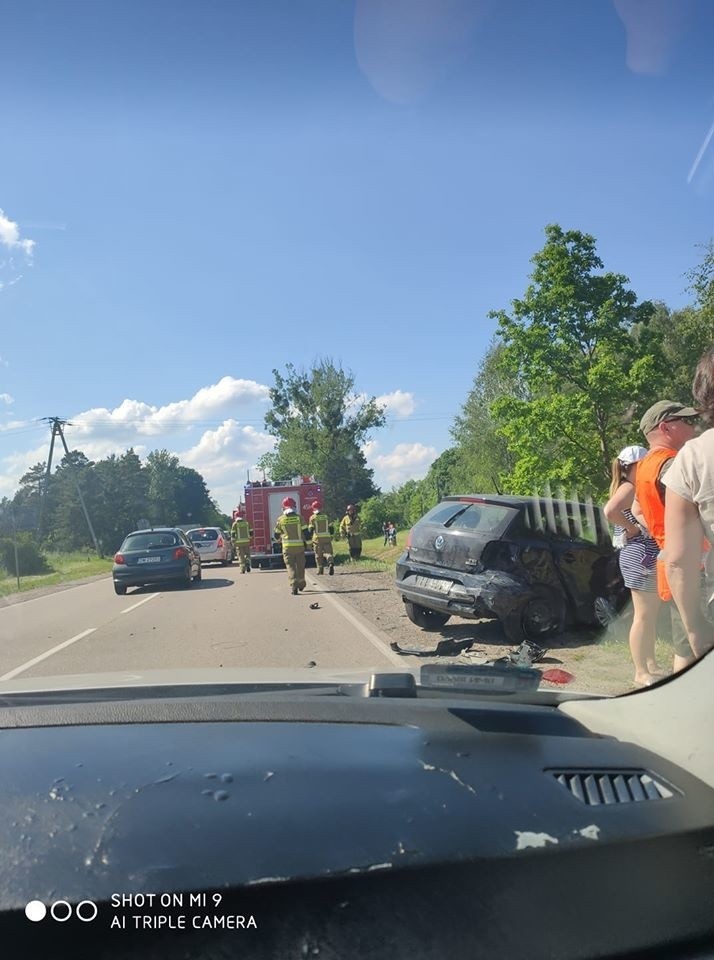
(483, 461)
(321, 425)
(569, 343)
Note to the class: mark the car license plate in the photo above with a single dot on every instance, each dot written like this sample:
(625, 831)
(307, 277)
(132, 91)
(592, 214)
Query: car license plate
(149, 560)
(431, 583)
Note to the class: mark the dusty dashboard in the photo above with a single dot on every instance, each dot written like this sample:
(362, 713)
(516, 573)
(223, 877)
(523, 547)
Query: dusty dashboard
(297, 824)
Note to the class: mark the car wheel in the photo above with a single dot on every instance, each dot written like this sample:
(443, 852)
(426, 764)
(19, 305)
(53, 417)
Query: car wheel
(536, 617)
(425, 618)
(120, 589)
(605, 612)
(199, 575)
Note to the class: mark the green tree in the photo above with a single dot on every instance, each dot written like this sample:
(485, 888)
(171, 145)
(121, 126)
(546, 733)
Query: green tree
(163, 470)
(321, 425)
(178, 494)
(569, 344)
(680, 337)
(124, 486)
(482, 461)
(67, 527)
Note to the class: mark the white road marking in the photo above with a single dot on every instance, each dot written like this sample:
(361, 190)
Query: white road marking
(145, 600)
(48, 653)
(365, 631)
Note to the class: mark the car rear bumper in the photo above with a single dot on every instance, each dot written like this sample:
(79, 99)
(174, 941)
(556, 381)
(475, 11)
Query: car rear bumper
(492, 594)
(213, 556)
(137, 578)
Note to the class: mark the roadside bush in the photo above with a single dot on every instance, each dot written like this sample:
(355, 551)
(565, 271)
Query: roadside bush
(29, 556)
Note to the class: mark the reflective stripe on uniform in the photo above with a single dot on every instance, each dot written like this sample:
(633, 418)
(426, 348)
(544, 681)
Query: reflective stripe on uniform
(320, 525)
(290, 529)
(241, 531)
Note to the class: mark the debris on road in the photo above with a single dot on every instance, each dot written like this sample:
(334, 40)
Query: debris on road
(444, 648)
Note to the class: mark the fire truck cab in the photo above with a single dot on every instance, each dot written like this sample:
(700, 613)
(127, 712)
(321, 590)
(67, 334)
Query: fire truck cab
(263, 504)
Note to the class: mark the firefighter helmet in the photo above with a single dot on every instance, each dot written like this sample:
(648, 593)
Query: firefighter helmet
(239, 515)
(289, 502)
(315, 505)
(350, 508)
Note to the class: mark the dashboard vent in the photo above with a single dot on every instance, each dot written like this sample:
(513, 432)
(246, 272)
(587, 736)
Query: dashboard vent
(598, 787)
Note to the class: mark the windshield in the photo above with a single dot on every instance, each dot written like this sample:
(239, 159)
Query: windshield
(323, 200)
(144, 541)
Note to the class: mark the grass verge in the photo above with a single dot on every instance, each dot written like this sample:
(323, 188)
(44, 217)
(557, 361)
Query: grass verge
(65, 567)
(375, 556)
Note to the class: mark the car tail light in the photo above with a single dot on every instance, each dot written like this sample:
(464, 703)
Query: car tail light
(179, 553)
(220, 541)
(118, 558)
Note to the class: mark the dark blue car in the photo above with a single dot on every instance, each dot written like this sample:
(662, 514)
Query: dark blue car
(155, 556)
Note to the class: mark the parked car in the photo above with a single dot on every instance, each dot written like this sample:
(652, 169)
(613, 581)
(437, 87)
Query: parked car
(155, 556)
(212, 543)
(227, 538)
(536, 565)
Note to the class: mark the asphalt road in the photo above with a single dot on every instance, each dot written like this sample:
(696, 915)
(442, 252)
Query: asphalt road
(229, 619)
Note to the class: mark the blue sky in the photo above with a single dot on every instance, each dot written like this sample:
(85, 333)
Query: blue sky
(195, 193)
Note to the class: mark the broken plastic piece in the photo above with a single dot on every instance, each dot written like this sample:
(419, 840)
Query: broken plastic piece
(527, 654)
(444, 648)
(314, 606)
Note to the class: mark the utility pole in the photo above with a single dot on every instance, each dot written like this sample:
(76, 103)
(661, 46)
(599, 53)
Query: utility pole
(57, 425)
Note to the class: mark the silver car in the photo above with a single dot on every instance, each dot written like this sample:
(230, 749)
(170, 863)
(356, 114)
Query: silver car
(212, 544)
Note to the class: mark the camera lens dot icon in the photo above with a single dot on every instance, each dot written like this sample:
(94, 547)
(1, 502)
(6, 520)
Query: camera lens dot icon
(35, 911)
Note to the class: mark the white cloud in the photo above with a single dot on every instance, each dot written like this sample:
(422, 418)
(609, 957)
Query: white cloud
(16, 425)
(16, 464)
(224, 456)
(398, 403)
(10, 236)
(6, 398)
(406, 461)
(134, 417)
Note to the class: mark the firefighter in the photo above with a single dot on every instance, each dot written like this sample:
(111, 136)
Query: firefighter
(240, 535)
(321, 530)
(351, 530)
(289, 531)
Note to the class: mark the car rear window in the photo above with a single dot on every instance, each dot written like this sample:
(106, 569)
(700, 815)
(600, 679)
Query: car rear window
(488, 518)
(443, 512)
(202, 535)
(485, 518)
(145, 541)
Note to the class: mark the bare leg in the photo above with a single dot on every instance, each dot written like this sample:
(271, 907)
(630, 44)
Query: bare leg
(642, 635)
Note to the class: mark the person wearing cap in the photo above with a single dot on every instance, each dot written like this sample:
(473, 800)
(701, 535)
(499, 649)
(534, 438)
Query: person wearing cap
(667, 425)
(240, 535)
(351, 530)
(289, 531)
(637, 558)
(321, 530)
(689, 517)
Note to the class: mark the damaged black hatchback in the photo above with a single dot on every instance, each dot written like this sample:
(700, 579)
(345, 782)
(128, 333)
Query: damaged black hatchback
(536, 564)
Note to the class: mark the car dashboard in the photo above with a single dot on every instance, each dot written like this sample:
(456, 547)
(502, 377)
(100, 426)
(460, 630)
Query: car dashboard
(322, 822)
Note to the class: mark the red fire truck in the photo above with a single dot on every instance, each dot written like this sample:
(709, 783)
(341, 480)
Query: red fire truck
(262, 505)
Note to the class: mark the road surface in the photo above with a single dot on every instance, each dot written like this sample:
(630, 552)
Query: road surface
(229, 619)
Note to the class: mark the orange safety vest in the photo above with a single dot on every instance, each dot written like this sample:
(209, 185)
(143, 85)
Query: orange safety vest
(651, 503)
